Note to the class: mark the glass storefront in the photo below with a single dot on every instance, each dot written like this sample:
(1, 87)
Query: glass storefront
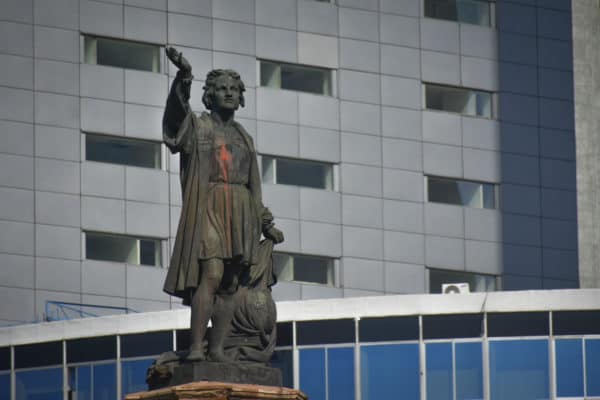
(493, 356)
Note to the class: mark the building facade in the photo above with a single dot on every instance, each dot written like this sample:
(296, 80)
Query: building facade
(500, 346)
(586, 16)
(404, 144)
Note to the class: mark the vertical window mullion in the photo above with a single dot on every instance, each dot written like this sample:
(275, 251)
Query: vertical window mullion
(584, 360)
(454, 370)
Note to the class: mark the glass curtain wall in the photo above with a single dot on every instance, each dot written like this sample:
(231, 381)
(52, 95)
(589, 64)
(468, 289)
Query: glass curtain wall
(493, 356)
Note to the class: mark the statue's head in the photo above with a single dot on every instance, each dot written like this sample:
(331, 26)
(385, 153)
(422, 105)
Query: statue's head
(223, 89)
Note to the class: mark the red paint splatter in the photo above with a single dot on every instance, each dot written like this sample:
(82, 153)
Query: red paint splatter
(225, 164)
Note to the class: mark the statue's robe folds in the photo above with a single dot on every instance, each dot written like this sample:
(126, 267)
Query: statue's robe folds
(193, 138)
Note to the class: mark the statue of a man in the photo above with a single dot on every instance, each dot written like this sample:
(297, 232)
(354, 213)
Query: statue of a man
(222, 214)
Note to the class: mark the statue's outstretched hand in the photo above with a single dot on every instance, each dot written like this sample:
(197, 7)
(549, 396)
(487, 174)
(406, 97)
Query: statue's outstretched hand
(178, 60)
(274, 234)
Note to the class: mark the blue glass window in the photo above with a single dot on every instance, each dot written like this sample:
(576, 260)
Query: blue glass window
(340, 373)
(134, 375)
(5, 386)
(312, 373)
(283, 359)
(80, 382)
(387, 370)
(468, 361)
(592, 366)
(105, 381)
(97, 381)
(569, 368)
(519, 369)
(439, 371)
(46, 384)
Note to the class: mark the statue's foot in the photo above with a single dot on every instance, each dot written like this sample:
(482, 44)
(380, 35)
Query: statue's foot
(218, 356)
(196, 355)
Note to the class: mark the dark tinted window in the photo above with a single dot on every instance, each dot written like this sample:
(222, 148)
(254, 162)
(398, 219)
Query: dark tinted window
(452, 326)
(146, 344)
(91, 349)
(321, 332)
(518, 324)
(4, 358)
(576, 322)
(123, 54)
(388, 328)
(38, 355)
(183, 339)
(285, 334)
(117, 150)
(286, 171)
(295, 77)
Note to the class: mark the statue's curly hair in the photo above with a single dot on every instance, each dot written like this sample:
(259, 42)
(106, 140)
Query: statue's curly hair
(211, 82)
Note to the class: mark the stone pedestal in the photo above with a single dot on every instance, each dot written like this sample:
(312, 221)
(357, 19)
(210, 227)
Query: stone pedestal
(219, 391)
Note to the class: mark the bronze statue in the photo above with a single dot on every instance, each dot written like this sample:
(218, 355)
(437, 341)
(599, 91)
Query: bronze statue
(219, 265)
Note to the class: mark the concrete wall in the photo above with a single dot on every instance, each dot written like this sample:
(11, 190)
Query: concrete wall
(375, 129)
(586, 17)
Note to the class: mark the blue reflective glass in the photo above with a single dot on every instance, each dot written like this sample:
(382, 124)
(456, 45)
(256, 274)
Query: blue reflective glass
(105, 381)
(40, 384)
(519, 369)
(340, 373)
(312, 373)
(80, 382)
(592, 366)
(468, 361)
(283, 360)
(387, 370)
(438, 358)
(569, 368)
(5, 386)
(134, 375)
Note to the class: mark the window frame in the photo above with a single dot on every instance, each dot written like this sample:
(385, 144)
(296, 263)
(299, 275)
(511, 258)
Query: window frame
(428, 269)
(162, 247)
(163, 155)
(162, 60)
(492, 14)
(334, 186)
(493, 100)
(333, 266)
(495, 186)
(333, 87)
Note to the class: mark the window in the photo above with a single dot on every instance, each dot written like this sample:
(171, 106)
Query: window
(296, 77)
(294, 267)
(124, 249)
(519, 369)
(327, 373)
(462, 193)
(454, 370)
(93, 381)
(464, 101)
(117, 150)
(477, 282)
(122, 54)
(478, 12)
(286, 171)
(390, 369)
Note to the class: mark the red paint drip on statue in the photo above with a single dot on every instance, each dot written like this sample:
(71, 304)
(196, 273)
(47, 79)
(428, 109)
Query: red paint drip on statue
(225, 163)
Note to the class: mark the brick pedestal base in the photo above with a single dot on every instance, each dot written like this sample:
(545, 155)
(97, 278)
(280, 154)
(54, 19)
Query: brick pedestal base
(219, 391)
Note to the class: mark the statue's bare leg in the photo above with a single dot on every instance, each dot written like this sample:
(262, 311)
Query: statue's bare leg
(223, 314)
(203, 305)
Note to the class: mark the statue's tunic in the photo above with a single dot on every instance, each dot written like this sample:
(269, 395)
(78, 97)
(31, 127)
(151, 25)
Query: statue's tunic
(222, 208)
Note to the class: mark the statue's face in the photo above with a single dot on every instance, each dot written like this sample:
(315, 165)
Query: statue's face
(227, 93)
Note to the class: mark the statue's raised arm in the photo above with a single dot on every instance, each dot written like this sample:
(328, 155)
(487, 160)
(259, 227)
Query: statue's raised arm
(179, 60)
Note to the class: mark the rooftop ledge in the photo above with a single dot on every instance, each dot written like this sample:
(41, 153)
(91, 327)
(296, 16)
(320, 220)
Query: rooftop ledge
(304, 310)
